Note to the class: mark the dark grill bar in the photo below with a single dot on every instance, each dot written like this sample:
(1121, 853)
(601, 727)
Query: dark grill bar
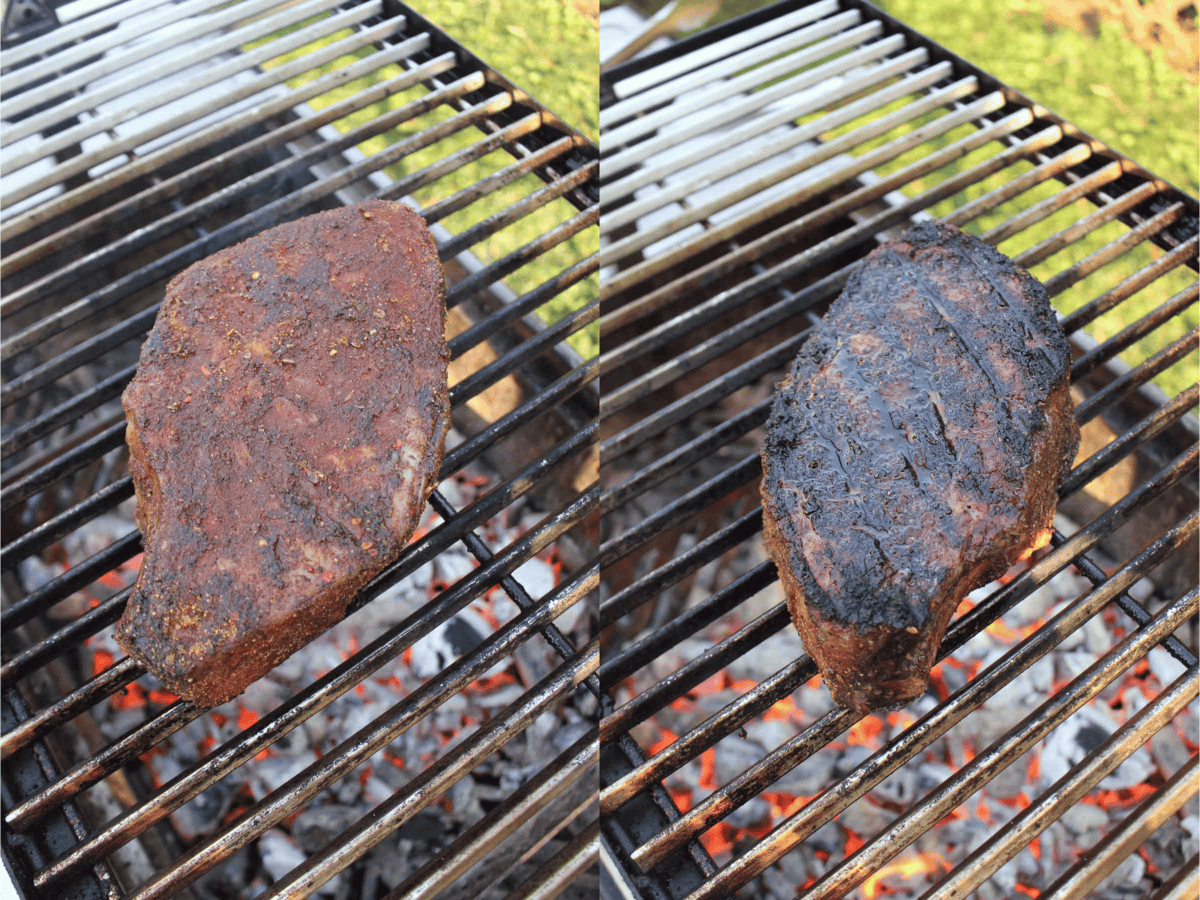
(717, 264)
(263, 114)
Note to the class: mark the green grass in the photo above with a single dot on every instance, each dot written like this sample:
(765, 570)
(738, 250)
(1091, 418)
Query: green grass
(549, 50)
(1114, 90)
(557, 66)
(1111, 88)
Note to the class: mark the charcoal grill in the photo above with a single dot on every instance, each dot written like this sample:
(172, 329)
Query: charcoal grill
(142, 136)
(745, 172)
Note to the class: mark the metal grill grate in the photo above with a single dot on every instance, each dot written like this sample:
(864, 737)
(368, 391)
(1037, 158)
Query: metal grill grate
(745, 172)
(142, 136)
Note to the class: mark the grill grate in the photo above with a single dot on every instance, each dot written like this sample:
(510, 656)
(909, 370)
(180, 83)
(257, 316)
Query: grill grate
(745, 172)
(140, 137)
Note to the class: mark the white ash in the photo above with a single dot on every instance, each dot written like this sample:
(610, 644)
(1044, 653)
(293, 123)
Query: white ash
(1012, 789)
(281, 848)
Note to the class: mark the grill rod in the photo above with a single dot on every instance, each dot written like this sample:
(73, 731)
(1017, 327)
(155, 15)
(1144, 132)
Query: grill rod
(822, 809)
(964, 783)
(251, 222)
(482, 836)
(744, 136)
(426, 787)
(486, 326)
(451, 531)
(848, 168)
(840, 32)
(548, 881)
(781, 684)
(1091, 868)
(170, 188)
(79, 165)
(1069, 790)
(491, 504)
(693, 357)
(273, 725)
(730, 140)
(125, 548)
(643, 84)
(40, 537)
(627, 393)
(56, 121)
(135, 19)
(355, 750)
(288, 205)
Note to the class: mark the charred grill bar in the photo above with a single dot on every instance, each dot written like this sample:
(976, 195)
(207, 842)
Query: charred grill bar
(744, 173)
(140, 137)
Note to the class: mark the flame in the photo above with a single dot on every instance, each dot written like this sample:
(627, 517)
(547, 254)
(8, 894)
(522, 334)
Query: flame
(924, 864)
(1028, 890)
(1040, 540)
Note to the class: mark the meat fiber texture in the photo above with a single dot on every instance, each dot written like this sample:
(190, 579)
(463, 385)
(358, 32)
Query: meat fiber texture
(285, 427)
(913, 452)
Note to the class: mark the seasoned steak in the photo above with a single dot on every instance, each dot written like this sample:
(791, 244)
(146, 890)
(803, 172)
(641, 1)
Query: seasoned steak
(285, 429)
(913, 453)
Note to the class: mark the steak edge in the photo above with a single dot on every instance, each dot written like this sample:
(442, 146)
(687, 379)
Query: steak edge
(285, 428)
(913, 453)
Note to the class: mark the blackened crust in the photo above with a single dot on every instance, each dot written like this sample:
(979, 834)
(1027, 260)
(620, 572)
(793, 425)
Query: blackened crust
(913, 451)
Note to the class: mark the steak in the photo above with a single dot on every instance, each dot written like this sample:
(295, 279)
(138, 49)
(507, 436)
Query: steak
(285, 428)
(913, 453)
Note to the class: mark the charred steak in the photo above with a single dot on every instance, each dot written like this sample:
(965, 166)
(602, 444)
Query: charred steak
(912, 453)
(285, 429)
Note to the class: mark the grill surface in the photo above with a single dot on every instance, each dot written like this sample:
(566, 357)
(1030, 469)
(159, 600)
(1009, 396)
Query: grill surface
(140, 137)
(744, 173)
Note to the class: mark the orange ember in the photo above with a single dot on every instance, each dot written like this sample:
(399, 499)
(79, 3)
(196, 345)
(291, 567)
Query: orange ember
(682, 798)
(708, 769)
(719, 839)
(131, 697)
(784, 805)
(785, 710)
(865, 730)
(1121, 796)
(665, 740)
(490, 683)
(101, 660)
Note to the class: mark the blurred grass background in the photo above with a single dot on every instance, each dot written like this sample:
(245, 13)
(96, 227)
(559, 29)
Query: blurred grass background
(1102, 65)
(547, 48)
